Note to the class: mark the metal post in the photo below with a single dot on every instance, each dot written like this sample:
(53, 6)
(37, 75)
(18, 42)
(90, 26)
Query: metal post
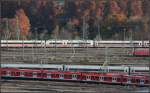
(32, 55)
(17, 29)
(0, 61)
(55, 44)
(106, 56)
(23, 49)
(149, 48)
(98, 28)
(45, 52)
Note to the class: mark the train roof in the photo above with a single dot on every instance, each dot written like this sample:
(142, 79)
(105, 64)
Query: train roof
(30, 66)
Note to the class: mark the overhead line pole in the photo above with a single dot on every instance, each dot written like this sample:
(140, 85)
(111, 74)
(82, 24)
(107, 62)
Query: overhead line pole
(0, 60)
(149, 49)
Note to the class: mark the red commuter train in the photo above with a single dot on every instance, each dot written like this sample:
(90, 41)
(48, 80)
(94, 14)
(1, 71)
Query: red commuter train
(108, 78)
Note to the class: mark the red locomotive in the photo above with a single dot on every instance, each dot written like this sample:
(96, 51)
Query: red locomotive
(108, 78)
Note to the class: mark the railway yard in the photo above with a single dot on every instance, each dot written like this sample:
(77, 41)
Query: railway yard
(81, 56)
(63, 87)
(73, 56)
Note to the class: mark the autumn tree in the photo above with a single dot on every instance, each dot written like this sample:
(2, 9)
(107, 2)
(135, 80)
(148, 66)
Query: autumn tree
(23, 22)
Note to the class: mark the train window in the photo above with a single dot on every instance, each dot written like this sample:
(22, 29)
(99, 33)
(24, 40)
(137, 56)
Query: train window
(88, 77)
(124, 79)
(17, 73)
(74, 76)
(137, 80)
(4, 73)
(38, 74)
(118, 79)
(133, 80)
(68, 76)
(109, 78)
(78, 76)
(44, 75)
(55, 75)
(92, 77)
(13, 73)
(96, 78)
(28, 74)
(147, 81)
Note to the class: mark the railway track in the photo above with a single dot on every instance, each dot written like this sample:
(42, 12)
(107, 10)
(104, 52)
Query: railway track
(95, 56)
(62, 87)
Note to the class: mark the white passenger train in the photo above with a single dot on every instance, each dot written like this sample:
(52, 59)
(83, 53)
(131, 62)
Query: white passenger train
(72, 43)
(81, 68)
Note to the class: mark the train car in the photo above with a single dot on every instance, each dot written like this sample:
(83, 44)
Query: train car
(69, 43)
(140, 53)
(139, 70)
(56, 43)
(118, 69)
(135, 80)
(114, 44)
(82, 68)
(22, 43)
(53, 67)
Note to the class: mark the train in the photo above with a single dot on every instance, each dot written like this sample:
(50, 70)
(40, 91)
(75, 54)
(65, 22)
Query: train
(140, 53)
(82, 68)
(107, 78)
(72, 43)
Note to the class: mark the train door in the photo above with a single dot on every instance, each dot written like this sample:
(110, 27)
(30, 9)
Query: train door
(74, 77)
(142, 82)
(140, 44)
(88, 78)
(8, 73)
(21, 74)
(61, 76)
(49, 76)
(126, 70)
(34, 75)
(59, 68)
(114, 79)
(132, 70)
(91, 43)
(64, 44)
(129, 81)
(101, 79)
(96, 44)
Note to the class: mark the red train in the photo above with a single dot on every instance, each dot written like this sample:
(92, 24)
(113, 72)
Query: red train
(140, 53)
(107, 78)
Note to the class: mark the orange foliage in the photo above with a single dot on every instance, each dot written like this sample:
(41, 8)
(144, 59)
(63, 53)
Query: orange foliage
(24, 23)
